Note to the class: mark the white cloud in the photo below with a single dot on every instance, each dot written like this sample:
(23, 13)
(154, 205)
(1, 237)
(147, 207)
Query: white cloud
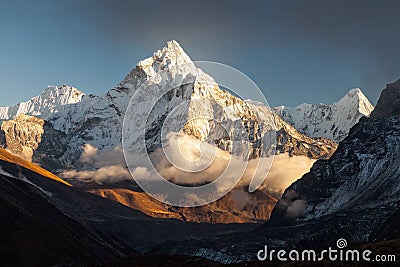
(190, 155)
(101, 166)
(109, 174)
(92, 156)
(195, 162)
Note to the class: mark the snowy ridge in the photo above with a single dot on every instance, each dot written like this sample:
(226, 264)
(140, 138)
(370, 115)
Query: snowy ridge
(329, 121)
(98, 120)
(46, 105)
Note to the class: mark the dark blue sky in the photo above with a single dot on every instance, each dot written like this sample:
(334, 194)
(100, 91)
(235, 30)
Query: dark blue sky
(296, 51)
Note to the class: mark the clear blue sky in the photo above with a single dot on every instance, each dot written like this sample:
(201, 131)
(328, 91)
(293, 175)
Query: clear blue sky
(296, 51)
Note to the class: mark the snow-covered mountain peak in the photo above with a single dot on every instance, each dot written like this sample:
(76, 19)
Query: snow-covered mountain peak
(65, 94)
(330, 121)
(172, 52)
(49, 102)
(169, 56)
(355, 99)
(171, 61)
(355, 92)
(172, 84)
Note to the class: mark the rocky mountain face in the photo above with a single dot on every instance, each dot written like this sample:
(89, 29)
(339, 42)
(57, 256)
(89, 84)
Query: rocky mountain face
(389, 102)
(203, 106)
(30, 138)
(362, 173)
(2, 139)
(23, 135)
(330, 121)
(297, 144)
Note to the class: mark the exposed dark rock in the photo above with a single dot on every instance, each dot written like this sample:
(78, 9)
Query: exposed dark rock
(389, 102)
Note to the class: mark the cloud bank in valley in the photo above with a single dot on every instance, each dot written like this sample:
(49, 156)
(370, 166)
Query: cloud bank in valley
(92, 156)
(107, 174)
(189, 156)
(101, 166)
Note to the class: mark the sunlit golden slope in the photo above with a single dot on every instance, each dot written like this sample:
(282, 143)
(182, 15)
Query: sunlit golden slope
(7, 156)
(138, 201)
(229, 209)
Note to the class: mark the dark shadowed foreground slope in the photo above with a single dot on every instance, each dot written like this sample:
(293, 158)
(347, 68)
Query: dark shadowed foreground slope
(45, 221)
(34, 232)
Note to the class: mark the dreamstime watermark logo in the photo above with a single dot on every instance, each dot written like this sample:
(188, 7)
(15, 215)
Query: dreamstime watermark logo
(331, 254)
(188, 140)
